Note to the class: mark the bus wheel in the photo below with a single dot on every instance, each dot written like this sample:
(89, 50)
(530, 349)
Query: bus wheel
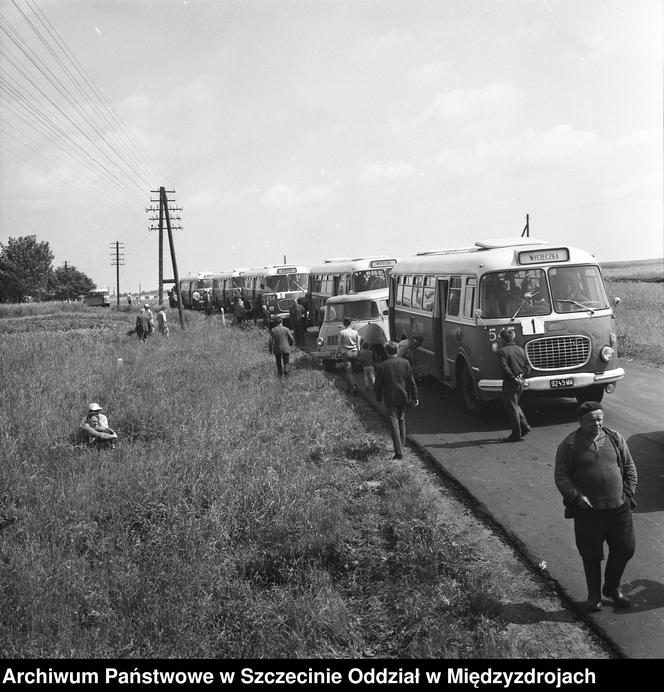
(594, 393)
(329, 365)
(468, 392)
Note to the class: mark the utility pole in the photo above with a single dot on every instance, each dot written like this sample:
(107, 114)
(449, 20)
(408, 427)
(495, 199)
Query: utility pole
(117, 261)
(67, 281)
(165, 214)
(526, 229)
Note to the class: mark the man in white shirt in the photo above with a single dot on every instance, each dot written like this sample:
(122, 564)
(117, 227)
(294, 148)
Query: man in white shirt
(349, 349)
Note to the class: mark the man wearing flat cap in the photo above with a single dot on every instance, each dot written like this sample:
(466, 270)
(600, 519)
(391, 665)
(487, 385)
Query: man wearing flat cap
(597, 478)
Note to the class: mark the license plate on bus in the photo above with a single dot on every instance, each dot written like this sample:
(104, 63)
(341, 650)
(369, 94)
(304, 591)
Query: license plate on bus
(566, 382)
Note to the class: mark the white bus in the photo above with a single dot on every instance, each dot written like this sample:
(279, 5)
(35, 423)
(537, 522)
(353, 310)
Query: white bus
(98, 297)
(191, 284)
(343, 275)
(458, 301)
(277, 286)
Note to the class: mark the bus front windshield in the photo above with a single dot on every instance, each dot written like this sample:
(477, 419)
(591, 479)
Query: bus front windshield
(363, 310)
(579, 288)
(282, 283)
(369, 280)
(523, 292)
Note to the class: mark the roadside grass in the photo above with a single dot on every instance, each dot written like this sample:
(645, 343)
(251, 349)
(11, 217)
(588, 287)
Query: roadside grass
(240, 516)
(639, 320)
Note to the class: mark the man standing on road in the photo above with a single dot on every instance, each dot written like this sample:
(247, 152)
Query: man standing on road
(280, 344)
(395, 384)
(597, 478)
(349, 350)
(514, 368)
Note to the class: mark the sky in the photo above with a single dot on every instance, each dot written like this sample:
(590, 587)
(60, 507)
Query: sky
(295, 131)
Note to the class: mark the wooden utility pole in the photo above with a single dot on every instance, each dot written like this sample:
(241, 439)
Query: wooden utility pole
(164, 214)
(117, 262)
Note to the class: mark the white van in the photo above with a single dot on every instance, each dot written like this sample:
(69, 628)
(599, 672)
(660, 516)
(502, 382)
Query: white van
(368, 313)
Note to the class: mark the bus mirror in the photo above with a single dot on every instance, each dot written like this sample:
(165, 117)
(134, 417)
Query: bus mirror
(478, 317)
(616, 300)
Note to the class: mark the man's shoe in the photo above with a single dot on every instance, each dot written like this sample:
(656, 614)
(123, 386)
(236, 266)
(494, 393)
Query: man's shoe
(525, 431)
(617, 596)
(511, 438)
(593, 605)
(398, 456)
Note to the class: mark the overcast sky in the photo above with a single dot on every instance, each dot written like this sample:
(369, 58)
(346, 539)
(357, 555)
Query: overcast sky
(328, 128)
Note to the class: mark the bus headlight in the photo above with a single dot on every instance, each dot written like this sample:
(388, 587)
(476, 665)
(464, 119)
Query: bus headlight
(271, 308)
(319, 342)
(606, 354)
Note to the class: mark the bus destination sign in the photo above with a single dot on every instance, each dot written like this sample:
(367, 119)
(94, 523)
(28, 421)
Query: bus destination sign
(558, 254)
(286, 270)
(382, 263)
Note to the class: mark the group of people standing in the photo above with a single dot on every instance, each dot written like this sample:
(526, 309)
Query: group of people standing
(145, 323)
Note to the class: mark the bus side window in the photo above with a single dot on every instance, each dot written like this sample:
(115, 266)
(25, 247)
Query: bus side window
(454, 297)
(429, 293)
(407, 290)
(417, 291)
(469, 298)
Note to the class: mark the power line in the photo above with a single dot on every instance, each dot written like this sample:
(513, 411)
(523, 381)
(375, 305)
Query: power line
(121, 162)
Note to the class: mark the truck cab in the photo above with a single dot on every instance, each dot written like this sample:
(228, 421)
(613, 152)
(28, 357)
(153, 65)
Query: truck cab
(368, 312)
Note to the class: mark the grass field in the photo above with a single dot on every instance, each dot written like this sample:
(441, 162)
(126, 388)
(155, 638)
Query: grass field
(642, 270)
(240, 516)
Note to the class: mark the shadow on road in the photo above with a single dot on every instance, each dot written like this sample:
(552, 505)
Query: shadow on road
(529, 614)
(645, 594)
(648, 454)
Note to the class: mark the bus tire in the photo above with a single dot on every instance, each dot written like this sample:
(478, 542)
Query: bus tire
(594, 393)
(468, 391)
(329, 365)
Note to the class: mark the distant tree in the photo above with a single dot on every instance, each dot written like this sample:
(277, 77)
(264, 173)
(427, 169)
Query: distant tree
(25, 266)
(66, 282)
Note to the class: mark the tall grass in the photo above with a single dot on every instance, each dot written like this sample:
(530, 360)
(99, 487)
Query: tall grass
(240, 516)
(639, 320)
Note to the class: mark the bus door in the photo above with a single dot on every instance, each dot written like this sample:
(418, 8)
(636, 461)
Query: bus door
(440, 310)
(394, 282)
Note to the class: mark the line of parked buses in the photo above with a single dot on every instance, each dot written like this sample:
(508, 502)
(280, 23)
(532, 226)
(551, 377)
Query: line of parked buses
(457, 301)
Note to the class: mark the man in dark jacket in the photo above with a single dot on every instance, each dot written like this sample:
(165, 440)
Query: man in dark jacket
(514, 368)
(142, 325)
(280, 344)
(597, 478)
(395, 385)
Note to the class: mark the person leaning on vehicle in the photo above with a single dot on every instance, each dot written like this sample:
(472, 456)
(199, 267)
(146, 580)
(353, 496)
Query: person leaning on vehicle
(596, 475)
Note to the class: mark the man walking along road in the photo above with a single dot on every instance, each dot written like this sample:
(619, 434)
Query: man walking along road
(597, 478)
(514, 368)
(395, 385)
(349, 349)
(280, 344)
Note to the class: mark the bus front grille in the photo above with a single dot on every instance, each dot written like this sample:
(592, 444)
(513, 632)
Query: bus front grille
(285, 304)
(333, 340)
(558, 352)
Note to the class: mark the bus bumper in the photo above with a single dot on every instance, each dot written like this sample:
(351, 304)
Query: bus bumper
(543, 383)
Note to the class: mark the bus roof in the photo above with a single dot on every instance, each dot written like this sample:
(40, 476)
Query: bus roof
(485, 256)
(331, 266)
(357, 297)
